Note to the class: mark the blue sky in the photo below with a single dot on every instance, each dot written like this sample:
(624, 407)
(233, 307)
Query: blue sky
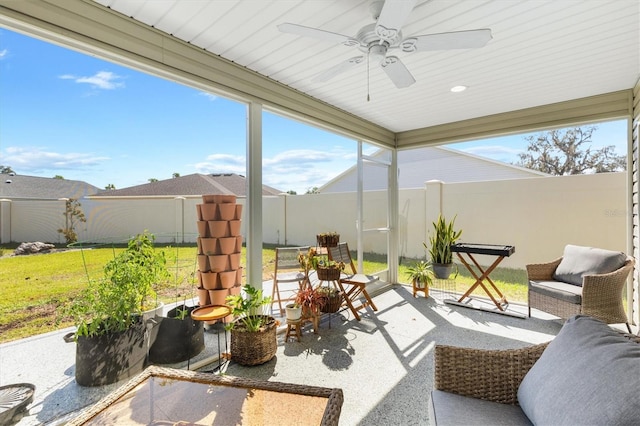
(69, 114)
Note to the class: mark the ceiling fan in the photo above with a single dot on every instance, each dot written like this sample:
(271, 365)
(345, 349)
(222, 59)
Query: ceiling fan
(377, 39)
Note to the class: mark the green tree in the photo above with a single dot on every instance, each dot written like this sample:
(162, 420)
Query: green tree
(58, 177)
(73, 215)
(292, 192)
(567, 152)
(314, 190)
(151, 180)
(6, 169)
(110, 187)
(176, 175)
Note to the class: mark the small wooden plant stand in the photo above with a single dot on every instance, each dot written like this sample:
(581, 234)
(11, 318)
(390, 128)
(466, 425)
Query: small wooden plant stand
(416, 289)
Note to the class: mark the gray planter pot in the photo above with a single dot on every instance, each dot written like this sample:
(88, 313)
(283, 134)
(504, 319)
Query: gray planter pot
(442, 270)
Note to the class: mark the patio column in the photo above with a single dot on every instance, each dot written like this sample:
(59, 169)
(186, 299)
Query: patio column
(5, 220)
(433, 203)
(253, 208)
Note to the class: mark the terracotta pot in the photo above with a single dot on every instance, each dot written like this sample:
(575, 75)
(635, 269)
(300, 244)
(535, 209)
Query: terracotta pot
(238, 244)
(224, 198)
(226, 211)
(209, 245)
(239, 276)
(199, 244)
(210, 280)
(234, 228)
(238, 214)
(227, 279)
(219, 262)
(235, 290)
(209, 211)
(203, 296)
(208, 199)
(218, 297)
(218, 228)
(203, 228)
(226, 245)
(199, 212)
(234, 261)
(203, 263)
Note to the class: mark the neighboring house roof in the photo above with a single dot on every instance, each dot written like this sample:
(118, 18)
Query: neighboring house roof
(417, 166)
(20, 186)
(195, 184)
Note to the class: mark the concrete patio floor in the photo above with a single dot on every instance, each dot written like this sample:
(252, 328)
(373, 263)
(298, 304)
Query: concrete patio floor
(383, 363)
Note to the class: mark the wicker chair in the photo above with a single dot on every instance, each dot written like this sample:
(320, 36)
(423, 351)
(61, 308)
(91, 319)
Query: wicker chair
(491, 375)
(600, 295)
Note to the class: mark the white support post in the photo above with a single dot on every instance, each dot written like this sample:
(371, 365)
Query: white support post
(253, 209)
(393, 200)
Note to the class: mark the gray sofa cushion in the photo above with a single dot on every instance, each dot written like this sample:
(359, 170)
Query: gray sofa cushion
(587, 375)
(579, 261)
(558, 290)
(451, 409)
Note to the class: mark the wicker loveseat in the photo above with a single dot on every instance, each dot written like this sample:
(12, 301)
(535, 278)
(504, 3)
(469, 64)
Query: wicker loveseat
(586, 375)
(585, 280)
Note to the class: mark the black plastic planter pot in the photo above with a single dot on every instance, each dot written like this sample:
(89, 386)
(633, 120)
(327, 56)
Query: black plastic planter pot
(177, 339)
(112, 357)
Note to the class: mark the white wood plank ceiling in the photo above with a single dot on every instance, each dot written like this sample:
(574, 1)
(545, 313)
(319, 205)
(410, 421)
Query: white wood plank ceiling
(542, 51)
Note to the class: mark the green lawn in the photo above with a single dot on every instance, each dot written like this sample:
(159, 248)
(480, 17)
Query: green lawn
(33, 288)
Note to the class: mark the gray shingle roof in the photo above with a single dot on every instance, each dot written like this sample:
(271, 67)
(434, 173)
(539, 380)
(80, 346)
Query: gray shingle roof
(195, 184)
(20, 186)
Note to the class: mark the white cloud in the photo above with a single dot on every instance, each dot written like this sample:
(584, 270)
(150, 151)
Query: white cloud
(210, 96)
(3, 54)
(30, 160)
(105, 80)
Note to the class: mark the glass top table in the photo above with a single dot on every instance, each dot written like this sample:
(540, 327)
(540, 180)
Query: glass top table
(165, 396)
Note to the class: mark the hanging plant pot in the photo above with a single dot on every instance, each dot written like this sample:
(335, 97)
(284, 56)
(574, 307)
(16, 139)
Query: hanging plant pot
(227, 279)
(332, 303)
(209, 211)
(234, 228)
(328, 240)
(178, 339)
(203, 296)
(238, 214)
(203, 228)
(328, 274)
(227, 245)
(442, 270)
(210, 280)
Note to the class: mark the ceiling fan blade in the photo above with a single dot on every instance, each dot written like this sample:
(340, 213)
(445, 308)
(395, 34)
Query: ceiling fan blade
(392, 17)
(397, 72)
(301, 30)
(338, 69)
(443, 41)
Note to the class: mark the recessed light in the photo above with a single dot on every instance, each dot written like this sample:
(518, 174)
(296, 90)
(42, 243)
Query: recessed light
(456, 89)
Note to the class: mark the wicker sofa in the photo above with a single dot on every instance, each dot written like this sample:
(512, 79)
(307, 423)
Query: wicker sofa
(585, 280)
(586, 375)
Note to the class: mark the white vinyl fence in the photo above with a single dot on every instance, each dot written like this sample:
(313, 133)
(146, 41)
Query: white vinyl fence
(538, 216)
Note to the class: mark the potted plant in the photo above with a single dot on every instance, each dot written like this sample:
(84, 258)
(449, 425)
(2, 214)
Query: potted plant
(110, 314)
(326, 269)
(293, 311)
(253, 332)
(444, 235)
(328, 239)
(310, 301)
(332, 298)
(421, 276)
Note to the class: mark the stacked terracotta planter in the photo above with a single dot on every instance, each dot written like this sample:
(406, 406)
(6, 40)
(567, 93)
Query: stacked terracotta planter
(219, 247)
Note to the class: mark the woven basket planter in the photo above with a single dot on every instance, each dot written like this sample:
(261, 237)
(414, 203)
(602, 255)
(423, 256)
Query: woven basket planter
(254, 348)
(328, 274)
(332, 303)
(324, 240)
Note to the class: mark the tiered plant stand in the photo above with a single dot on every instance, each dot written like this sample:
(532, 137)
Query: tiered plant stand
(219, 248)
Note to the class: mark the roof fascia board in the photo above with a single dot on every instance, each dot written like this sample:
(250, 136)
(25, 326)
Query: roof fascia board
(91, 28)
(603, 107)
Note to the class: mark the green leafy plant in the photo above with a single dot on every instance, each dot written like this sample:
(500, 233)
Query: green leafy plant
(310, 299)
(116, 300)
(73, 215)
(250, 309)
(440, 242)
(421, 272)
(313, 260)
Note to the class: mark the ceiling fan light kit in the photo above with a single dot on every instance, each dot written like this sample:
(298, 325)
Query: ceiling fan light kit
(377, 39)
